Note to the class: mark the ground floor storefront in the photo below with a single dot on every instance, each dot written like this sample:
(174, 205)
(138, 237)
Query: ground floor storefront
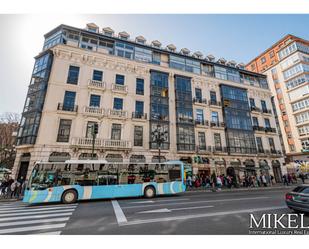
(199, 165)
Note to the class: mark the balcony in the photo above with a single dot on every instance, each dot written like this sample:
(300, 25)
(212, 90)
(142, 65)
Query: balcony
(139, 115)
(270, 129)
(119, 88)
(266, 111)
(96, 84)
(255, 109)
(217, 124)
(185, 120)
(101, 143)
(203, 149)
(214, 103)
(201, 122)
(200, 101)
(93, 111)
(113, 113)
(219, 149)
(67, 108)
(258, 128)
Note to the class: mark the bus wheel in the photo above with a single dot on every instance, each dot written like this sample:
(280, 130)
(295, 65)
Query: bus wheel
(69, 196)
(149, 192)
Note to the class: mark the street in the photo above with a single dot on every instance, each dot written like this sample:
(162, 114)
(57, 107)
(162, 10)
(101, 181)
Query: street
(188, 213)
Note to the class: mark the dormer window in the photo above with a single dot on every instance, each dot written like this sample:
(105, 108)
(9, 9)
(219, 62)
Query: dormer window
(241, 65)
(108, 31)
(185, 51)
(171, 47)
(156, 44)
(92, 27)
(222, 61)
(124, 35)
(198, 54)
(211, 58)
(232, 63)
(140, 39)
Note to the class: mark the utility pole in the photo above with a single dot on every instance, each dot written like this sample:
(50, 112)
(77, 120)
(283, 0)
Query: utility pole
(94, 132)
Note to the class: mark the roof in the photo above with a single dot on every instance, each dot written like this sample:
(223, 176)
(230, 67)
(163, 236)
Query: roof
(157, 49)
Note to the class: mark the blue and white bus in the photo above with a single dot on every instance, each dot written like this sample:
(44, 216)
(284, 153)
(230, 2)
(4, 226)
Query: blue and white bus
(75, 180)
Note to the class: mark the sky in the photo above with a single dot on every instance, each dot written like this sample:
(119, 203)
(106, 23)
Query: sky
(231, 36)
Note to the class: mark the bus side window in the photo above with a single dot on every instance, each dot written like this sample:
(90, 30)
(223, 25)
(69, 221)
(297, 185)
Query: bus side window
(102, 178)
(174, 173)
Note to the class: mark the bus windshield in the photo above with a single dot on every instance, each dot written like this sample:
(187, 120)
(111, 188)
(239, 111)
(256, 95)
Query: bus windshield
(47, 175)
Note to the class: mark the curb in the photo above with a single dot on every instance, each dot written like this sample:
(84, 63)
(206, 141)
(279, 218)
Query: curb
(8, 200)
(239, 189)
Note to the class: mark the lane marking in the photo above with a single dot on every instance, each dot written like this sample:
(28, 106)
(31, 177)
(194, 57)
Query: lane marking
(30, 213)
(152, 201)
(31, 228)
(36, 216)
(121, 218)
(189, 202)
(185, 217)
(167, 210)
(47, 233)
(15, 210)
(33, 222)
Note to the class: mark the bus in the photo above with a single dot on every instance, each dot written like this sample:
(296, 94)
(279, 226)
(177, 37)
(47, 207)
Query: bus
(75, 180)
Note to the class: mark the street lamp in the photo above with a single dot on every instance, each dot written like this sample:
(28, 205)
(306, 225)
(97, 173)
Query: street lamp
(159, 136)
(94, 132)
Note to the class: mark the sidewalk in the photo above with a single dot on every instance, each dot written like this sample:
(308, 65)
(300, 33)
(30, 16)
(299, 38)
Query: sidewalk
(275, 186)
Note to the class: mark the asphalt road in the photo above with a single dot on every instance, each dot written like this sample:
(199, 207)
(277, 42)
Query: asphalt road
(187, 213)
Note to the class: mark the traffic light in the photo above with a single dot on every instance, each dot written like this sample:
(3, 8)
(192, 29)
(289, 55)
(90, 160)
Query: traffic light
(95, 129)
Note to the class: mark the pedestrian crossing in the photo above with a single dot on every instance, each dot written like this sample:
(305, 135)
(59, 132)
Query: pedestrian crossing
(20, 218)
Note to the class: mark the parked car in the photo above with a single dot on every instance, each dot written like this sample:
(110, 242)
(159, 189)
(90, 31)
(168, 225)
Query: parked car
(298, 198)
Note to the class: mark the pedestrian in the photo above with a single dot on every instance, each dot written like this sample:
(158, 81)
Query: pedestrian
(189, 181)
(14, 188)
(285, 180)
(302, 177)
(289, 178)
(264, 181)
(219, 183)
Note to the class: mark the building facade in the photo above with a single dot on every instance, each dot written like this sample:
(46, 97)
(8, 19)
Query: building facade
(286, 65)
(215, 115)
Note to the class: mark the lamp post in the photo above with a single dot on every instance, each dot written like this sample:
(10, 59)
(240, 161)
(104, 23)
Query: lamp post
(159, 137)
(94, 132)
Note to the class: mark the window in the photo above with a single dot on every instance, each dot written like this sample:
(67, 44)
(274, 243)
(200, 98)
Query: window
(217, 140)
(69, 101)
(95, 100)
(142, 54)
(64, 130)
(198, 93)
(199, 115)
(213, 97)
(263, 60)
(215, 117)
(263, 104)
(185, 138)
(138, 135)
(140, 86)
(139, 107)
(118, 104)
(73, 75)
(271, 54)
(255, 121)
(119, 79)
(156, 58)
(271, 143)
(116, 132)
(90, 124)
(97, 75)
(259, 144)
(184, 64)
(124, 50)
(201, 140)
(267, 123)
(227, 74)
(252, 102)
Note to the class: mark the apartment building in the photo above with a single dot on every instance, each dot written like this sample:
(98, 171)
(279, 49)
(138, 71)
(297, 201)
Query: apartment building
(286, 65)
(214, 114)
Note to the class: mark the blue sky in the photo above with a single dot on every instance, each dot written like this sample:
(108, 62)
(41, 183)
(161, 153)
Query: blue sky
(234, 37)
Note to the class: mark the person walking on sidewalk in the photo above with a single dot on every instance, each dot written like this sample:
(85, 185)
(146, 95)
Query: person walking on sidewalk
(285, 180)
(264, 181)
(302, 177)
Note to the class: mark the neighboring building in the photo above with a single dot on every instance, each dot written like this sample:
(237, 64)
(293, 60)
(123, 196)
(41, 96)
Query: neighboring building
(286, 65)
(206, 107)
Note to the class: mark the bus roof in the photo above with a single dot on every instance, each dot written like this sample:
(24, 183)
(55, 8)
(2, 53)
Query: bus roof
(102, 161)
(88, 161)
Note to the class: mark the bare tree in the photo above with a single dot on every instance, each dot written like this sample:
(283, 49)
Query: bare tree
(9, 123)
